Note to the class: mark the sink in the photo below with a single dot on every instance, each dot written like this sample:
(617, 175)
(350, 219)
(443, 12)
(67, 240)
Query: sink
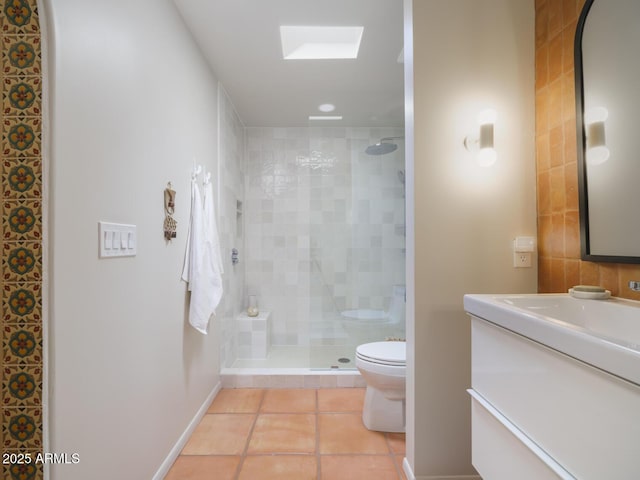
(602, 333)
(555, 387)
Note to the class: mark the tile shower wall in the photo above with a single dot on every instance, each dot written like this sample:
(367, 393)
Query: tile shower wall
(324, 227)
(231, 204)
(560, 266)
(22, 268)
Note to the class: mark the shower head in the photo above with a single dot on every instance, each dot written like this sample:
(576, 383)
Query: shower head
(383, 147)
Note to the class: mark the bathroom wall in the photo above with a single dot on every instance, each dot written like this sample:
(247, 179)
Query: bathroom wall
(132, 105)
(468, 55)
(324, 227)
(556, 158)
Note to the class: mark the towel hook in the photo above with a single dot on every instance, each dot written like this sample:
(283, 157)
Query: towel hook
(196, 169)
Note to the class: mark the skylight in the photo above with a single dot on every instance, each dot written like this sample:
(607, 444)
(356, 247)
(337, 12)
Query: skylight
(309, 43)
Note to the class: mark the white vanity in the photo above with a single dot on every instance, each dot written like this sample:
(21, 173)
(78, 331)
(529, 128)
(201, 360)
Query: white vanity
(555, 387)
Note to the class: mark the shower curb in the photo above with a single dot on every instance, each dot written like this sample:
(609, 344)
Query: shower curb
(290, 378)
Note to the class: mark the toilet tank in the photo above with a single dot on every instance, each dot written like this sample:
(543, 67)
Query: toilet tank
(397, 306)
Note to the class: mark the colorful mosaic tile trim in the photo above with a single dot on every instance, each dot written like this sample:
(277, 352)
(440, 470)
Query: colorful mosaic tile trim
(21, 266)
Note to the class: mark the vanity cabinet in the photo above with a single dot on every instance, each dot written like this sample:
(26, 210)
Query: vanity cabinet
(540, 414)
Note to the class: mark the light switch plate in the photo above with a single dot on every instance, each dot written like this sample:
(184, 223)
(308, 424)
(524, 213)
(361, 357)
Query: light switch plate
(117, 240)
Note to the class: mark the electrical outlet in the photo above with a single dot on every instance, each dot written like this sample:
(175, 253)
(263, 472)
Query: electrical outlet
(522, 259)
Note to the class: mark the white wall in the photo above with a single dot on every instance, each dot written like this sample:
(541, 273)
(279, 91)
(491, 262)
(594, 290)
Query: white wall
(132, 104)
(468, 55)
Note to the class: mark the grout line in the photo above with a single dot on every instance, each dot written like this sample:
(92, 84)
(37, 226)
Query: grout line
(392, 454)
(317, 413)
(243, 455)
(393, 459)
(386, 440)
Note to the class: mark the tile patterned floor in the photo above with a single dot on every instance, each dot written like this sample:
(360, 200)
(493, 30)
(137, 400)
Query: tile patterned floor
(263, 434)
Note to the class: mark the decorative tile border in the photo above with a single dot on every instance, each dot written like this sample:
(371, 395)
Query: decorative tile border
(22, 219)
(22, 471)
(22, 303)
(20, 16)
(21, 56)
(21, 429)
(22, 345)
(21, 178)
(22, 385)
(21, 261)
(21, 137)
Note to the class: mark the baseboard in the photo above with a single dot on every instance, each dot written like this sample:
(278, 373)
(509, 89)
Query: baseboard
(410, 476)
(407, 469)
(177, 448)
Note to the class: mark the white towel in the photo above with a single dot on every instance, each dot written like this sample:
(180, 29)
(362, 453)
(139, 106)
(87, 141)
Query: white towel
(214, 268)
(194, 220)
(205, 281)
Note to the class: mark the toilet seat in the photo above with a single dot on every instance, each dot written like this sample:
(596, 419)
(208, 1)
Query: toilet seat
(392, 354)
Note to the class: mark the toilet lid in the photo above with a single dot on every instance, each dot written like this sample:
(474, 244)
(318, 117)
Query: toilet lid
(387, 353)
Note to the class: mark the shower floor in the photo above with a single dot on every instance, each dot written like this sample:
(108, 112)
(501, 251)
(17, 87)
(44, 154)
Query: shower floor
(332, 357)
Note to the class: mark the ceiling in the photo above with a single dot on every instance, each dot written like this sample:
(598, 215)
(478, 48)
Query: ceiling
(241, 41)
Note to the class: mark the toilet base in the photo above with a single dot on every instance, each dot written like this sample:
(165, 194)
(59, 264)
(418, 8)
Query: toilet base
(381, 414)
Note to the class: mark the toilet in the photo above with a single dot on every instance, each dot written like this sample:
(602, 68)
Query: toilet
(364, 325)
(383, 366)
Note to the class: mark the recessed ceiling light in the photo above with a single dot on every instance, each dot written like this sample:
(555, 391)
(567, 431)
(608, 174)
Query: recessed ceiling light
(325, 117)
(304, 43)
(327, 107)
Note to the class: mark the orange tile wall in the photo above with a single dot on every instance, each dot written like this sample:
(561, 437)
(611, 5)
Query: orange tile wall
(559, 265)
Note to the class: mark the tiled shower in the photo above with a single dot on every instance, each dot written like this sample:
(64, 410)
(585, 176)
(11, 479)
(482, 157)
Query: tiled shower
(320, 229)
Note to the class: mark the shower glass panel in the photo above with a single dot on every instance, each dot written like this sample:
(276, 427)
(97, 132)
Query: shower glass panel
(325, 243)
(356, 242)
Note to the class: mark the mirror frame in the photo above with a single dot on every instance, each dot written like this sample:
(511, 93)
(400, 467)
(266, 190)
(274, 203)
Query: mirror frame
(583, 198)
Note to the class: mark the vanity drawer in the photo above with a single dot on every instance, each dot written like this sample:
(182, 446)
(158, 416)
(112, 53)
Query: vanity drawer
(502, 452)
(586, 419)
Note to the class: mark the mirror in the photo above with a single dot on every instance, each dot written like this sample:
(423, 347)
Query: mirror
(607, 72)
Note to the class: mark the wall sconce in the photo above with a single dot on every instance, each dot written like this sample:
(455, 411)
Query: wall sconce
(481, 142)
(597, 150)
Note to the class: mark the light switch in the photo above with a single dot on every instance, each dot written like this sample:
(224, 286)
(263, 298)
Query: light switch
(524, 244)
(116, 240)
